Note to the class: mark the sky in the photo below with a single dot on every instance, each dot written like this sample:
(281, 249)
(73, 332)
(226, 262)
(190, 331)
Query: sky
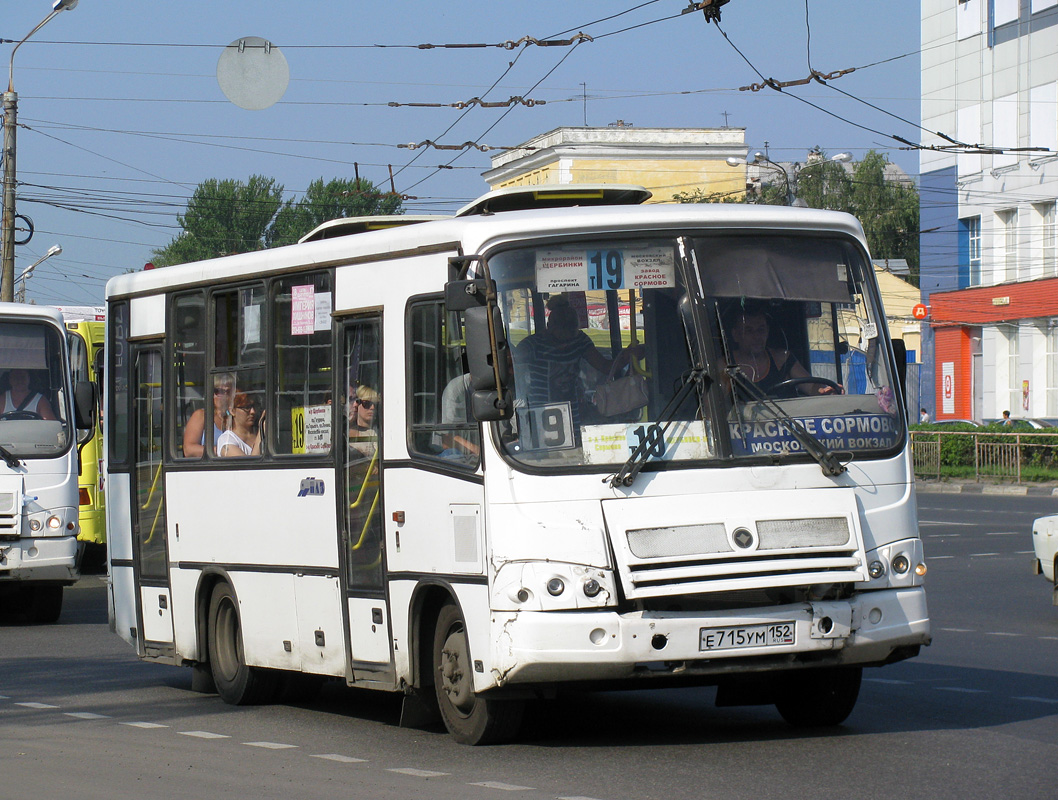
(121, 114)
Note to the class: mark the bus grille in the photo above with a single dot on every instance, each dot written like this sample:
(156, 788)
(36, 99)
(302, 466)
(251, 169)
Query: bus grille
(10, 518)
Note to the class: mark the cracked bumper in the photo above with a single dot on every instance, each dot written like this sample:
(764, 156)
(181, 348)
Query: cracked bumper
(44, 559)
(546, 647)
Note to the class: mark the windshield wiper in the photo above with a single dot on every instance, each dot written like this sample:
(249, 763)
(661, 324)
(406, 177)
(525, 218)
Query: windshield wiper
(826, 459)
(9, 458)
(654, 437)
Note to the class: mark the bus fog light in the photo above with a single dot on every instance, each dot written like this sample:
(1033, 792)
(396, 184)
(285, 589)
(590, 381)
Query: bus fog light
(34, 525)
(920, 570)
(901, 564)
(875, 615)
(521, 595)
(592, 587)
(555, 587)
(876, 569)
(54, 522)
(597, 636)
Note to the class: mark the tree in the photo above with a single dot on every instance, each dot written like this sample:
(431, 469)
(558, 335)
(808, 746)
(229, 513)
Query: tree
(223, 217)
(326, 201)
(887, 209)
(232, 216)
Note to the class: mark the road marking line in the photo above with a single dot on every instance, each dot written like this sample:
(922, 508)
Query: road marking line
(1049, 700)
(577, 798)
(418, 773)
(982, 555)
(1002, 633)
(86, 715)
(938, 558)
(506, 787)
(1050, 638)
(144, 724)
(4, 697)
(1025, 552)
(1004, 533)
(203, 735)
(887, 681)
(270, 745)
(339, 758)
(961, 689)
(35, 705)
(957, 630)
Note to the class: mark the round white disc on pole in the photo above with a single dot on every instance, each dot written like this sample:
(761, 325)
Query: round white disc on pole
(253, 73)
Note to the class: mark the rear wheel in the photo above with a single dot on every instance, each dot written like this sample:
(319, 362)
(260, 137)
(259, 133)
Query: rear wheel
(817, 698)
(43, 603)
(470, 718)
(236, 682)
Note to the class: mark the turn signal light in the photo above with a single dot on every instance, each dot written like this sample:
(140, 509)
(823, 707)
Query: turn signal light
(86, 499)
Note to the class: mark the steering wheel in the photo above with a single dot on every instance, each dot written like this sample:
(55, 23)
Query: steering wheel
(787, 387)
(21, 415)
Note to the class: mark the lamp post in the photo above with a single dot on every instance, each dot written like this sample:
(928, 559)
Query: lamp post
(24, 276)
(761, 160)
(10, 102)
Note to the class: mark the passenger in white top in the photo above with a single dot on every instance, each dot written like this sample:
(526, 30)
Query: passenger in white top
(20, 398)
(244, 438)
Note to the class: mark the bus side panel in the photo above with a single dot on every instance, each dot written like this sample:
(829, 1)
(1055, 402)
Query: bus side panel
(119, 553)
(319, 602)
(268, 620)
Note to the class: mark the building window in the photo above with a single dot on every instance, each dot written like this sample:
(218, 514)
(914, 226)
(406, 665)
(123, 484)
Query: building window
(1052, 371)
(1014, 390)
(970, 267)
(1048, 254)
(1008, 269)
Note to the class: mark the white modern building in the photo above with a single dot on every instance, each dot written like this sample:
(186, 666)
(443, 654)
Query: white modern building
(989, 261)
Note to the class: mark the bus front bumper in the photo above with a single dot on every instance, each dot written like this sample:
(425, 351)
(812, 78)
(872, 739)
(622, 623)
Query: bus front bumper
(52, 558)
(871, 628)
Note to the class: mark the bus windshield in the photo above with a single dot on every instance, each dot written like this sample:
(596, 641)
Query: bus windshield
(33, 393)
(695, 349)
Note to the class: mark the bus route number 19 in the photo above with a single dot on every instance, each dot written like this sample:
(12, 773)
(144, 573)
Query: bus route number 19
(552, 426)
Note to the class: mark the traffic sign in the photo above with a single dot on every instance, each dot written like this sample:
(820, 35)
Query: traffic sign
(920, 311)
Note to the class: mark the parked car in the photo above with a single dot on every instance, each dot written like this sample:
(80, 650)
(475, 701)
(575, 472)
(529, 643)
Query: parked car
(1026, 423)
(947, 423)
(1045, 545)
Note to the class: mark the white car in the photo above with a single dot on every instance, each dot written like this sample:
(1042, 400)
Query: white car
(1045, 543)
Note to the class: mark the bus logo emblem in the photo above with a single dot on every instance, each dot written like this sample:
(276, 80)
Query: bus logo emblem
(743, 538)
(311, 486)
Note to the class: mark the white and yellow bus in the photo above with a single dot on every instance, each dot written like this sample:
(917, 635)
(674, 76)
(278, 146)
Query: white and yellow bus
(44, 416)
(534, 445)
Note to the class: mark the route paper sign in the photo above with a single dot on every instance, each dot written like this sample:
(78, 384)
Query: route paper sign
(302, 310)
(310, 429)
(561, 271)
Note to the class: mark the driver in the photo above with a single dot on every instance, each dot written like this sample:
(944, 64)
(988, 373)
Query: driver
(767, 367)
(20, 397)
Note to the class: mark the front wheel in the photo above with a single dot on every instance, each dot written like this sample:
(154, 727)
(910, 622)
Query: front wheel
(818, 698)
(470, 718)
(237, 683)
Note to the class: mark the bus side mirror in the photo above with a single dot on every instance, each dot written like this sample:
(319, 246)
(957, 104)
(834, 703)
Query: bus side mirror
(487, 407)
(900, 353)
(463, 295)
(84, 407)
(483, 367)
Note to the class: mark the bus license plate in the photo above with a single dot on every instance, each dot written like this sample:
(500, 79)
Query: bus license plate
(737, 636)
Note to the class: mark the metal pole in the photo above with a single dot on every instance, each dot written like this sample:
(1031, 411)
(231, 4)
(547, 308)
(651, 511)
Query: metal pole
(7, 256)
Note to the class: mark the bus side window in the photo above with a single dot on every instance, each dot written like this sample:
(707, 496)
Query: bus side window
(441, 425)
(189, 373)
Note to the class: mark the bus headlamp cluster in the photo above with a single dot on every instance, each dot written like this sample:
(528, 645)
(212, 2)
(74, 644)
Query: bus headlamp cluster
(50, 523)
(541, 586)
(891, 564)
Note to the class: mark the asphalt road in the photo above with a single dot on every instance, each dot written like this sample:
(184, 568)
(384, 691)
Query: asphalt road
(976, 715)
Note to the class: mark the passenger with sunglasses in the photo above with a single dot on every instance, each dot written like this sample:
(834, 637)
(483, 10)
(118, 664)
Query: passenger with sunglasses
(363, 405)
(194, 439)
(244, 437)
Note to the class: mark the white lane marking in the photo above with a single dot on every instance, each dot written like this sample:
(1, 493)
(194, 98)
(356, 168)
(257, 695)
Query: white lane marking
(339, 758)
(1025, 552)
(35, 705)
(576, 798)
(144, 724)
(1004, 533)
(203, 735)
(270, 745)
(982, 555)
(961, 689)
(1050, 638)
(418, 773)
(957, 630)
(506, 787)
(887, 681)
(938, 558)
(4, 697)
(946, 522)
(1052, 701)
(85, 715)
(1002, 633)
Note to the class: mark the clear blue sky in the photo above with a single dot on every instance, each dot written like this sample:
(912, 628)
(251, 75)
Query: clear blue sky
(121, 115)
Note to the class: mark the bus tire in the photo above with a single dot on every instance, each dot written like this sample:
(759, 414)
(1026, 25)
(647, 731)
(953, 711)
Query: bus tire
(237, 683)
(470, 719)
(43, 603)
(819, 698)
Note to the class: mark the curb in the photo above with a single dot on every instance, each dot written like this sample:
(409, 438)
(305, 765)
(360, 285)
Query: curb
(935, 487)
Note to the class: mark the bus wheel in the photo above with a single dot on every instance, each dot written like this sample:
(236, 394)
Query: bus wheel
(469, 718)
(817, 698)
(236, 683)
(43, 603)
(1054, 595)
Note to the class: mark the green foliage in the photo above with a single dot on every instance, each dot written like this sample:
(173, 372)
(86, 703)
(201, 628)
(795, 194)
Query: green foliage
(1037, 452)
(233, 216)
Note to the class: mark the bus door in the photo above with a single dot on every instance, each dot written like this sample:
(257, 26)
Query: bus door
(150, 558)
(360, 421)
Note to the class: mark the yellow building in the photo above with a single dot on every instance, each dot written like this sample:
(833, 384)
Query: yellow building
(900, 296)
(667, 161)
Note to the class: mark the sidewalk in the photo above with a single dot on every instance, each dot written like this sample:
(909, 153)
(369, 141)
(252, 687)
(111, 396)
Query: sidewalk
(927, 486)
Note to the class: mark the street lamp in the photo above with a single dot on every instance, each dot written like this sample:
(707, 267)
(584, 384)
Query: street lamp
(10, 102)
(24, 276)
(761, 160)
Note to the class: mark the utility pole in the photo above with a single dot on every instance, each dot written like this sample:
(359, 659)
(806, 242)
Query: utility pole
(7, 223)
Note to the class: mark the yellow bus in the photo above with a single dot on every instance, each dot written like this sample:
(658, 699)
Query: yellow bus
(84, 329)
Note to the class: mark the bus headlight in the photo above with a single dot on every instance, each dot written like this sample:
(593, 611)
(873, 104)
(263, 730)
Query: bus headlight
(876, 569)
(547, 586)
(54, 522)
(35, 525)
(890, 566)
(555, 587)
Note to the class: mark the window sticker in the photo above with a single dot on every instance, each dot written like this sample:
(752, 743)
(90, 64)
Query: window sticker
(613, 444)
(251, 324)
(561, 271)
(310, 429)
(323, 308)
(605, 269)
(302, 310)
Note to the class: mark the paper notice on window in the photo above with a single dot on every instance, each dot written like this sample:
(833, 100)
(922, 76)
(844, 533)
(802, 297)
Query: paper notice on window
(251, 324)
(323, 311)
(310, 429)
(650, 269)
(302, 310)
(561, 271)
